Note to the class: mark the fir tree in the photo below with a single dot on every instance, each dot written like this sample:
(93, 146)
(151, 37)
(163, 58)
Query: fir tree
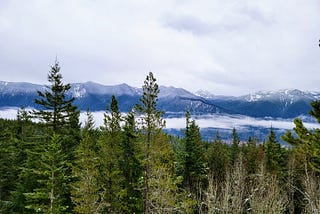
(52, 178)
(151, 124)
(130, 167)
(194, 165)
(273, 153)
(307, 142)
(218, 159)
(234, 152)
(87, 192)
(56, 109)
(109, 154)
(61, 118)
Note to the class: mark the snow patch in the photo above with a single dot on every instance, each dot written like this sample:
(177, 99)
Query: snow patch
(79, 92)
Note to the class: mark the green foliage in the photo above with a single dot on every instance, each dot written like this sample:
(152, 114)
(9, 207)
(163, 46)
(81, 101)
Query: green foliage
(234, 152)
(194, 160)
(151, 123)
(131, 168)
(253, 155)
(56, 109)
(86, 193)
(218, 159)
(109, 152)
(52, 179)
(274, 154)
(307, 140)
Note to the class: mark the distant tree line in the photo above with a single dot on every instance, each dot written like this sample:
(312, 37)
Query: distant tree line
(50, 163)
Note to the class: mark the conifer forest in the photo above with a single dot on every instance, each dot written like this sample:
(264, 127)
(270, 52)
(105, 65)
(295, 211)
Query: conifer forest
(50, 163)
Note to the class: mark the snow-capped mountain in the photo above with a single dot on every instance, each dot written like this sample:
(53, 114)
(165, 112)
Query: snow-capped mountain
(205, 94)
(282, 103)
(83, 89)
(18, 87)
(174, 101)
(288, 95)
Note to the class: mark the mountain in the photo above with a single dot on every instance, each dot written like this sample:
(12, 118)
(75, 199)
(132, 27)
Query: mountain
(276, 104)
(174, 101)
(96, 97)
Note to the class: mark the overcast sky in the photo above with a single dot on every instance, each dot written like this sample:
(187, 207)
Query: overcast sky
(229, 47)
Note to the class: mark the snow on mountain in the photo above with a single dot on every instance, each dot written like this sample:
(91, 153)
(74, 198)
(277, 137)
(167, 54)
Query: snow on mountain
(19, 87)
(286, 103)
(205, 94)
(286, 95)
(81, 89)
(174, 92)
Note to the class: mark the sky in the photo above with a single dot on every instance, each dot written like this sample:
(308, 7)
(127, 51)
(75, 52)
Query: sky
(227, 47)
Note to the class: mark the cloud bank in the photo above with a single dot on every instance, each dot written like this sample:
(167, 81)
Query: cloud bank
(226, 47)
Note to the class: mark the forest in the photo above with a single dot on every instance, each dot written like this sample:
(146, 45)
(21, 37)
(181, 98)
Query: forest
(50, 163)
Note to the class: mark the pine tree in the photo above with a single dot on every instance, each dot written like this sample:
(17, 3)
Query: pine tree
(56, 109)
(60, 117)
(110, 152)
(9, 150)
(307, 142)
(235, 150)
(273, 153)
(87, 192)
(89, 123)
(218, 159)
(52, 178)
(151, 125)
(130, 166)
(195, 164)
(253, 155)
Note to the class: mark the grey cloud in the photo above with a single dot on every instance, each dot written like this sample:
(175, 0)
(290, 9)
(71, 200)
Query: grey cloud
(187, 23)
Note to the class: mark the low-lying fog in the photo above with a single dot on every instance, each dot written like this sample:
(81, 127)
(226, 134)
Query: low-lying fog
(204, 121)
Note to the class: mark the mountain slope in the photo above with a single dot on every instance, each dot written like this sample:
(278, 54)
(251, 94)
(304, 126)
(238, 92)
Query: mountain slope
(174, 101)
(96, 97)
(282, 103)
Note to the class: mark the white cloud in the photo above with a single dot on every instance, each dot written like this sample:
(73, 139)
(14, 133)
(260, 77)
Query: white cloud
(226, 47)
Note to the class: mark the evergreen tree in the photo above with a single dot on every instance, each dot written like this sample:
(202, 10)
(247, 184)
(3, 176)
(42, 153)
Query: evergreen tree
(89, 123)
(130, 167)
(307, 142)
(8, 170)
(218, 159)
(151, 125)
(87, 192)
(165, 194)
(52, 179)
(109, 154)
(195, 164)
(235, 150)
(56, 109)
(253, 155)
(61, 118)
(273, 153)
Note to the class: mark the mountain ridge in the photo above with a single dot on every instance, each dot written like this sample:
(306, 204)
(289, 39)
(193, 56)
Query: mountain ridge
(285, 103)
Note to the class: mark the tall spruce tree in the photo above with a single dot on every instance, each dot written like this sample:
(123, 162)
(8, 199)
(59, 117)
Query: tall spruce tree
(194, 164)
(130, 166)
(110, 152)
(234, 151)
(56, 108)
(151, 125)
(273, 153)
(307, 141)
(61, 118)
(86, 193)
(52, 176)
(218, 159)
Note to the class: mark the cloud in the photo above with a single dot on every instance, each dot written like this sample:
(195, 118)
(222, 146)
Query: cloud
(189, 24)
(227, 47)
